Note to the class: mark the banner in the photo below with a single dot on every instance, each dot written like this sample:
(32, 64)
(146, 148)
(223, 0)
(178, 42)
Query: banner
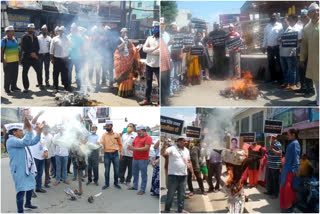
(234, 43)
(193, 132)
(300, 115)
(196, 51)
(289, 40)
(248, 137)
(273, 126)
(19, 21)
(171, 125)
(30, 4)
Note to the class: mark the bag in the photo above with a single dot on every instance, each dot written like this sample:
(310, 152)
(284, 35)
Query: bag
(235, 157)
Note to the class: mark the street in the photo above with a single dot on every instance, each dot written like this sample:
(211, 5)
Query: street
(208, 94)
(105, 97)
(56, 200)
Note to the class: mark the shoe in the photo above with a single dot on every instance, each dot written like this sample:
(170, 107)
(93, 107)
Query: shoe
(46, 186)
(69, 172)
(30, 207)
(204, 193)
(96, 183)
(42, 88)
(82, 179)
(105, 187)
(15, 89)
(121, 182)
(128, 183)
(144, 103)
(25, 91)
(308, 94)
(55, 91)
(117, 186)
(56, 183)
(34, 195)
(89, 182)
(74, 179)
(41, 190)
(66, 182)
(131, 188)
(47, 84)
(284, 86)
(293, 87)
(140, 193)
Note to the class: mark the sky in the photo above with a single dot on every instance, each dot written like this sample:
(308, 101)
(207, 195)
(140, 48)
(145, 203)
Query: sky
(210, 10)
(188, 114)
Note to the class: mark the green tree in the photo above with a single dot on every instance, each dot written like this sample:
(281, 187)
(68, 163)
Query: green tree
(169, 10)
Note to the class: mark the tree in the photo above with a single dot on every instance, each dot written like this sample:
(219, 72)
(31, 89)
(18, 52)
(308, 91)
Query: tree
(169, 10)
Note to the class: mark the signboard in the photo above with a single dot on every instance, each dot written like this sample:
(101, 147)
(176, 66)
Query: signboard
(193, 132)
(300, 115)
(232, 18)
(19, 21)
(178, 42)
(171, 125)
(314, 114)
(289, 40)
(32, 4)
(196, 51)
(285, 117)
(234, 43)
(198, 24)
(273, 126)
(218, 40)
(188, 39)
(248, 137)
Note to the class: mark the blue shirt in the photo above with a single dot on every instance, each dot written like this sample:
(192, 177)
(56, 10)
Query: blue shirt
(75, 51)
(274, 160)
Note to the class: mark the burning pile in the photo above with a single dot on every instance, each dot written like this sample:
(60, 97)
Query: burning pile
(242, 88)
(74, 99)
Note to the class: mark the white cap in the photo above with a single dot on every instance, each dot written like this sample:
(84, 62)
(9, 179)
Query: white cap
(62, 28)
(140, 127)
(11, 126)
(173, 23)
(162, 20)
(31, 25)
(94, 28)
(231, 25)
(44, 27)
(94, 125)
(9, 28)
(313, 6)
(57, 28)
(73, 25)
(155, 24)
(109, 122)
(183, 136)
(124, 30)
(106, 28)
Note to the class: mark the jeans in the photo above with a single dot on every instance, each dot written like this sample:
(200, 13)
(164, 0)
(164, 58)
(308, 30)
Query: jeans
(140, 165)
(289, 69)
(125, 163)
(60, 66)
(149, 77)
(53, 162)
(19, 198)
(165, 84)
(61, 162)
(274, 63)
(273, 181)
(27, 63)
(77, 64)
(11, 75)
(47, 164)
(114, 158)
(46, 60)
(176, 67)
(93, 165)
(176, 183)
(39, 165)
(75, 172)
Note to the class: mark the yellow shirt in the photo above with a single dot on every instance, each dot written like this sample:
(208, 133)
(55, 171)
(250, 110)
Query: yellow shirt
(305, 166)
(111, 142)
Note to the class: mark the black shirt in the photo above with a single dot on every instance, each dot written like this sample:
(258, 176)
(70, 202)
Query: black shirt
(28, 46)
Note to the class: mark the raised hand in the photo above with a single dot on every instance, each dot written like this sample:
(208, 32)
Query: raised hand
(27, 124)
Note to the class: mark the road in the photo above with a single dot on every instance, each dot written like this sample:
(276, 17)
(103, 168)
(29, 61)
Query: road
(208, 94)
(55, 200)
(105, 97)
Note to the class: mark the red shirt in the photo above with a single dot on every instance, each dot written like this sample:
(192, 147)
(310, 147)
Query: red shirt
(140, 142)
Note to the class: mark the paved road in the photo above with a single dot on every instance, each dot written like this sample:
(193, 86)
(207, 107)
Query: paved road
(208, 94)
(55, 200)
(105, 97)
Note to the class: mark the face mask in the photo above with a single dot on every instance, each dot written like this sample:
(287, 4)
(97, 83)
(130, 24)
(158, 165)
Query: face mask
(141, 135)
(129, 129)
(93, 132)
(45, 33)
(273, 20)
(155, 30)
(30, 32)
(108, 129)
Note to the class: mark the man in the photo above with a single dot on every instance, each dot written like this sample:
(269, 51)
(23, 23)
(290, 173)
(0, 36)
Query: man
(39, 152)
(254, 155)
(93, 159)
(44, 55)
(219, 50)
(112, 146)
(108, 55)
(234, 56)
(22, 165)
(140, 147)
(47, 139)
(289, 180)
(270, 44)
(30, 49)
(179, 162)
(75, 55)
(310, 48)
(10, 60)
(62, 154)
(59, 51)
(274, 166)
(126, 162)
(151, 47)
(215, 169)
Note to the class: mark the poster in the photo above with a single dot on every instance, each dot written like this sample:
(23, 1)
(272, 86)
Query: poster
(188, 40)
(289, 40)
(218, 40)
(178, 42)
(19, 21)
(196, 51)
(248, 137)
(234, 143)
(234, 43)
(171, 125)
(273, 126)
(193, 132)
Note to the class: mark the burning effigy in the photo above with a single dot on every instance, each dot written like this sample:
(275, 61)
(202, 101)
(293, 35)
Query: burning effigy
(74, 99)
(243, 88)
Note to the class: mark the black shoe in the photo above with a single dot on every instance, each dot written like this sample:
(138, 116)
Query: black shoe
(41, 190)
(42, 88)
(15, 89)
(74, 179)
(26, 91)
(46, 186)
(96, 183)
(69, 172)
(89, 182)
(30, 207)
(34, 194)
(38, 86)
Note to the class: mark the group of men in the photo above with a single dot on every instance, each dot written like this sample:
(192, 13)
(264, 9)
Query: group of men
(32, 154)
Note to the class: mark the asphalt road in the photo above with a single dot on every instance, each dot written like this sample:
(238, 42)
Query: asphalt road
(56, 200)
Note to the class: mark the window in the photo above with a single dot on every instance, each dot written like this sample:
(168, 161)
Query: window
(257, 122)
(237, 128)
(245, 124)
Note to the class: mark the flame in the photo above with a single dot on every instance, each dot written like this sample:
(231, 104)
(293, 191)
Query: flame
(230, 176)
(245, 86)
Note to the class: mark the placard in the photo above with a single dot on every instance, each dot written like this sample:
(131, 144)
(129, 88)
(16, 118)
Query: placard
(234, 43)
(196, 51)
(188, 40)
(289, 40)
(193, 132)
(248, 137)
(178, 42)
(218, 40)
(171, 125)
(273, 126)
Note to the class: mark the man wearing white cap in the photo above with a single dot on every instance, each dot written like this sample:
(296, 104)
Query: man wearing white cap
(30, 57)
(140, 147)
(310, 47)
(44, 55)
(59, 52)
(151, 47)
(10, 60)
(112, 146)
(22, 164)
(93, 159)
(273, 167)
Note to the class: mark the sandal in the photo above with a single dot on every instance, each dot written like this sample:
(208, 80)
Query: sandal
(140, 193)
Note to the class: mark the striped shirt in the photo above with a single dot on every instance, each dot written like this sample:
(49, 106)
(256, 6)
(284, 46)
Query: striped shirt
(274, 161)
(11, 52)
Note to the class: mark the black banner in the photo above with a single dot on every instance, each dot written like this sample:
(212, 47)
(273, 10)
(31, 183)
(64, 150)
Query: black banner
(248, 137)
(273, 126)
(193, 132)
(234, 43)
(188, 39)
(289, 40)
(171, 125)
(218, 40)
(178, 42)
(196, 51)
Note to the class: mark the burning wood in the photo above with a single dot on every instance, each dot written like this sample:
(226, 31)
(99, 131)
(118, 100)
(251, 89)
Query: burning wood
(242, 88)
(74, 99)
